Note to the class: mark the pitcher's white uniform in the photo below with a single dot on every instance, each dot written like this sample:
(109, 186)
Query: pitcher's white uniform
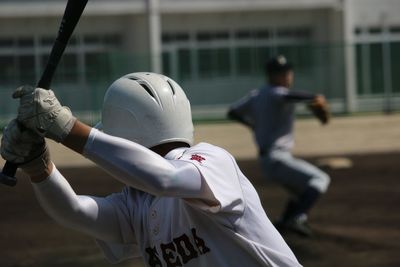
(173, 229)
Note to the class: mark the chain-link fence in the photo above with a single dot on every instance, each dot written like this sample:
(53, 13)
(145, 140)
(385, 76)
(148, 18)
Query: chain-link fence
(213, 77)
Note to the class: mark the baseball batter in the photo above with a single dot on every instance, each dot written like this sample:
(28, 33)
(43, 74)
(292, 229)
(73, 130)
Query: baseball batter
(183, 204)
(270, 112)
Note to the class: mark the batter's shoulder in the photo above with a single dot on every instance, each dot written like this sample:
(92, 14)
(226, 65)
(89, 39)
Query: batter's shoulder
(205, 153)
(207, 147)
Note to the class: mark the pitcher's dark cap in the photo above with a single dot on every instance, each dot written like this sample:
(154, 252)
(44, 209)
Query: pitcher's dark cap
(278, 64)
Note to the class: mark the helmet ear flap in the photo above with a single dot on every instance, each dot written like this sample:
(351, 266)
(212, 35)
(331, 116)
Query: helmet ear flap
(139, 107)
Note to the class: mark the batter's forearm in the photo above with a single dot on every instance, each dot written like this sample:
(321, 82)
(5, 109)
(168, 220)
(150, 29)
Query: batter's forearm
(77, 137)
(75, 140)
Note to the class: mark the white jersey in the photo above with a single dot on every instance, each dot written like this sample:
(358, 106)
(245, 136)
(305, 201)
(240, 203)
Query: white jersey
(173, 231)
(193, 207)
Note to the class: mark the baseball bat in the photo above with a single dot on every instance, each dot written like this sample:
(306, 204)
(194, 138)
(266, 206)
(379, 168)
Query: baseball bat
(72, 13)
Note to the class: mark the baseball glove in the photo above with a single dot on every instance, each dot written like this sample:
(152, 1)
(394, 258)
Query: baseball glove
(320, 109)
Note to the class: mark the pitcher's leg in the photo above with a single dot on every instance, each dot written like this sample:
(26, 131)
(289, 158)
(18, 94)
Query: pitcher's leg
(305, 181)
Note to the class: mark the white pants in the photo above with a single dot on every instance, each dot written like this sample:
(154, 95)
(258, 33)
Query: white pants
(294, 174)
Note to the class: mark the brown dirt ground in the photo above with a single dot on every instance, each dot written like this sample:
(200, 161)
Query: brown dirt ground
(357, 222)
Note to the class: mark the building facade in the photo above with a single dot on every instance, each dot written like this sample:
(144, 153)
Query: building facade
(346, 49)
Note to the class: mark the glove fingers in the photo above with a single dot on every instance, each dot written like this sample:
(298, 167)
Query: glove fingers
(28, 136)
(12, 132)
(21, 154)
(11, 147)
(19, 145)
(8, 152)
(22, 90)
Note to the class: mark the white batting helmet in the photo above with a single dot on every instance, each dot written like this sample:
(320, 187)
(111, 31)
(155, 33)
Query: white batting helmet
(147, 108)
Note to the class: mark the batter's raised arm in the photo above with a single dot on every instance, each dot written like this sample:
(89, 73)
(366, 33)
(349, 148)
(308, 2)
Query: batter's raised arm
(143, 169)
(130, 163)
(135, 165)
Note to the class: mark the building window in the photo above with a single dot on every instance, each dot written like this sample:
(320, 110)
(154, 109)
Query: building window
(395, 50)
(375, 30)
(175, 37)
(214, 62)
(166, 63)
(372, 45)
(185, 64)
(26, 66)
(219, 54)
(67, 70)
(394, 29)
(245, 60)
(263, 34)
(7, 74)
(243, 34)
(20, 58)
(97, 66)
(24, 43)
(6, 42)
(208, 36)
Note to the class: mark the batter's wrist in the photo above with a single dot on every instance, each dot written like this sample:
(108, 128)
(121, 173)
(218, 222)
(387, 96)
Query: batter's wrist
(77, 137)
(39, 168)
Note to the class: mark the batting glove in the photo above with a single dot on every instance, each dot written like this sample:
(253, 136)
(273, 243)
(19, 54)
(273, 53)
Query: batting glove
(26, 148)
(40, 111)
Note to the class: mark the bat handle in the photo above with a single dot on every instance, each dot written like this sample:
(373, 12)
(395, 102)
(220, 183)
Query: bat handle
(7, 176)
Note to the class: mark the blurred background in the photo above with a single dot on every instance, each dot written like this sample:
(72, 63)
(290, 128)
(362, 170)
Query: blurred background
(348, 50)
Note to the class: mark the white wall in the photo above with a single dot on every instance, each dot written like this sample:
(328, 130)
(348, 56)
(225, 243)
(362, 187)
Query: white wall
(48, 26)
(316, 19)
(371, 12)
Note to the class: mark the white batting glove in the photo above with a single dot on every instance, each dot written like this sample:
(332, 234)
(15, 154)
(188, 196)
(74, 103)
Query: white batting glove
(40, 111)
(24, 147)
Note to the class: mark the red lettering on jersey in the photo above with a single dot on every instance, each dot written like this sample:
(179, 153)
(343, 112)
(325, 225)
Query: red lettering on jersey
(197, 157)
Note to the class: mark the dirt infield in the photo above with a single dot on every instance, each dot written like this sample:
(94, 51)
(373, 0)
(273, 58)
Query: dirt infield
(356, 223)
(345, 135)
